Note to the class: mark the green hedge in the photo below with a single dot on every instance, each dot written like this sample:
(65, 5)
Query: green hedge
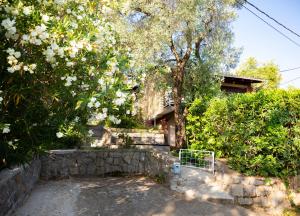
(259, 133)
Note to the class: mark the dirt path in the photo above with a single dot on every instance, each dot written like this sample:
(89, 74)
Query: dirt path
(116, 197)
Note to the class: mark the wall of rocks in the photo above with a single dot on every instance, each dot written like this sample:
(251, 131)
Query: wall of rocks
(267, 193)
(16, 184)
(83, 163)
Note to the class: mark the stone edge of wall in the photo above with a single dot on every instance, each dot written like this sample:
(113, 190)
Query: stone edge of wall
(16, 185)
(250, 191)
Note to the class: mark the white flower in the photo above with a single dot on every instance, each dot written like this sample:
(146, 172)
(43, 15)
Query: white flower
(8, 24)
(6, 129)
(10, 69)
(37, 42)
(60, 2)
(45, 18)
(25, 37)
(93, 99)
(10, 51)
(83, 59)
(119, 101)
(59, 134)
(127, 112)
(120, 94)
(91, 133)
(44, 36)
(70, 64)
(33, 66)
(27, 11)
(113, 119)
(68, 83)
(17, 54)
(105, 110)
(81, 8)
(90, 104)
(97, 104)
(76, 119)
(101, 81)
(101, 116)
(69, 11)
(74, 25)
(25, 68)
(1, 99)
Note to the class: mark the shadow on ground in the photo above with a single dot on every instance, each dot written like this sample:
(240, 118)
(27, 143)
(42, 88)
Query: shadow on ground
(117, 196)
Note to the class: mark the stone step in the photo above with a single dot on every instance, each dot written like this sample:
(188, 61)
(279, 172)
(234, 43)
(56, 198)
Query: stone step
(111, 136)
(143, 138)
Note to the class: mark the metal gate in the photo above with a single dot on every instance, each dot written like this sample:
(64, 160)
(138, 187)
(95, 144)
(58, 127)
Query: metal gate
(197, 158)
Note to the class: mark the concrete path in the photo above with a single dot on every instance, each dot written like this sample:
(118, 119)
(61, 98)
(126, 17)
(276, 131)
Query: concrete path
(117, 196)
(196, 183)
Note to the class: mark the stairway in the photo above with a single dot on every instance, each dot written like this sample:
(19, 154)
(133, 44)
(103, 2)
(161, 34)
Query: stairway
(107, 137)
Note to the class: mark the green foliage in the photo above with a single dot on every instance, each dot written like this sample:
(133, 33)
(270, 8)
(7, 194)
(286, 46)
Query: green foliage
(127, 140)
(200, 82)
(258, 132)
(61, 66)
(269, 72)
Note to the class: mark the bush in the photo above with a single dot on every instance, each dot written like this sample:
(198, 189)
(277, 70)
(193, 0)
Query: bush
(61, 64)
(258, 132)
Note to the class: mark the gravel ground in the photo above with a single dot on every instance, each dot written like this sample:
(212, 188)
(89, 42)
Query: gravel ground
(116, 197)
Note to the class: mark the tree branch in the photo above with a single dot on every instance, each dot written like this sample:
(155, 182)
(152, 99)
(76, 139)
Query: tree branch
(202, 36)
(173, 49)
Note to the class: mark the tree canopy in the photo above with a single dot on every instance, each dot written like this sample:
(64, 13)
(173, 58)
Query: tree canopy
(178, 36)
(269, 72)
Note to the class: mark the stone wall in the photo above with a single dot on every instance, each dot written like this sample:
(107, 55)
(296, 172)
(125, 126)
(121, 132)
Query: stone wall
(267, 193)
(16, 184)
(82, 163)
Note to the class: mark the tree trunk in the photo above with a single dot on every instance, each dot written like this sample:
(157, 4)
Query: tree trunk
(178, 74)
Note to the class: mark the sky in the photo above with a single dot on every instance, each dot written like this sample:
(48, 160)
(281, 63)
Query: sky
(262, 42)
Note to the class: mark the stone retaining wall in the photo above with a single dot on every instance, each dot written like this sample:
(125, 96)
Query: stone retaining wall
(256, 191)
(16, 184)
(103, 162)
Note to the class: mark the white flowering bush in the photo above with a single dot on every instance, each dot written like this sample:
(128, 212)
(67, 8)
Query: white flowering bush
(61, 66)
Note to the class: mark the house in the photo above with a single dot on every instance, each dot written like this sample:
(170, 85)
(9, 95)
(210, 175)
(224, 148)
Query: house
(158, 106)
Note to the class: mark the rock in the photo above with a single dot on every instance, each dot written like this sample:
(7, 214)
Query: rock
(277, 198)
(237, 190)
(258, 182)
(261, 201)
(245, 201)
(263, 191)
(249, 191)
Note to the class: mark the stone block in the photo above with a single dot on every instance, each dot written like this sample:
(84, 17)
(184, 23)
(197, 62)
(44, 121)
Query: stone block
(262, 202)
(127, 158)
(258, 182)
(263, 191)
(245, 201)
(277, 198)
(237, 190)
(236, 180)
(249, 191)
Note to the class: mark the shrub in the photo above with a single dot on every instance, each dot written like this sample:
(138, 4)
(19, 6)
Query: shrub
(258, 132)
(61, 65)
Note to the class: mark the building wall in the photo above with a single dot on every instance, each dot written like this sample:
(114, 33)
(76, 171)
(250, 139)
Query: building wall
(151, 102)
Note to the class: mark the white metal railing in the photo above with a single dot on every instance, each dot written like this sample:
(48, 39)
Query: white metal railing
(197, 158)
